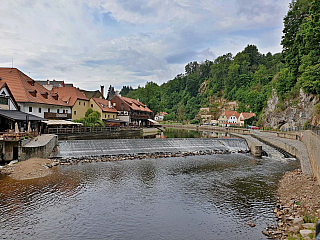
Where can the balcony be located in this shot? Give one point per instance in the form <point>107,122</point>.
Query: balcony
<point>49,115</point>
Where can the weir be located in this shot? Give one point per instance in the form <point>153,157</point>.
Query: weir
<point>112,147</point>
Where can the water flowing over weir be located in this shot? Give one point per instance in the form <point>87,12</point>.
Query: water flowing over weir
<point>111,147</point>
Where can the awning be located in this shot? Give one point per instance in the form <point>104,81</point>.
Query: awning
<point>113,120</point>
<point>153,121</point>
<point>61,122</point>
<point>16,115</point>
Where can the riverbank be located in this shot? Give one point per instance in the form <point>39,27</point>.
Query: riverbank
<point>298,207</point>
<point>28,169</point>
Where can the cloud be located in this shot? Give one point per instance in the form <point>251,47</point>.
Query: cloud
<point>117,42</point>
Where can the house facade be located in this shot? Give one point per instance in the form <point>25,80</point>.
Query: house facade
<point>72,96</point>
<point>32,97</point>
<point>160,116</point>
<point>7,101</point>
<point>132,111</point>
<point>228,118</point>
<point>104,107</point>
<point>245,116</point>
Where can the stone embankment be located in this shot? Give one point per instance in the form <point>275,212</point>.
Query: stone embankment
<point>121,157</point>
<point>297,208</point>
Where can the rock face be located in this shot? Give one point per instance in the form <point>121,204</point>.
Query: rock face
<point>289,114</point>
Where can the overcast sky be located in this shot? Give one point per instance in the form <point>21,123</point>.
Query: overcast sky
<point>129,42</point>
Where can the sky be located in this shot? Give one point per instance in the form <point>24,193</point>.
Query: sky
<point>130,42</point>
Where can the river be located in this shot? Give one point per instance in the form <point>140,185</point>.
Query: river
<point>195,197</point>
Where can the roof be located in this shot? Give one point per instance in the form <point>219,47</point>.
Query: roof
<point>19,116</point>
<point>135,104</point>
<point>25,89</point>
<point>4,85</point>
<point>104,105</point>
<point>161,114</point>
<point>230,113</point>
<point>114,120</point>
<point>247,115</point>
<point>92,94</point>
<point>69,94</point>
<point>54,83</point>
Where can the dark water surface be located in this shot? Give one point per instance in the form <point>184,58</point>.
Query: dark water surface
<point>198,197</point>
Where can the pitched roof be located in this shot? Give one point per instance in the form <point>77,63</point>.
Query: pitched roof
<point>135,104</point>
<point>104,105</point>
<point>247,115</point>
<point>231,113</point>
<point>25,89</point>
<point>4,85</point>
<point>17,115</point>
<point>161,114</point>
<point>69,94</point>
<point>92,94</point>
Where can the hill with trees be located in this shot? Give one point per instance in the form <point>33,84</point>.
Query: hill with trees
<point>248,77</point>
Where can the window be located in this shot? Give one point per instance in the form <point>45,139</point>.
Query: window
<point>75,112</point>
<point>48,110</point>
<point>30,109</point>
<point>108,116</point>
<point>58,110</point>
<point>105,116</point>
<point>79,103</point>
<point>67,111</point>
<point>39,110</point>
<point>4,101</point>
<point>92,105</point>
<point>84,103</point>
<point>64,111</point>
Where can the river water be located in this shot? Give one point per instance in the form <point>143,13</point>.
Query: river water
<point>195,197</point>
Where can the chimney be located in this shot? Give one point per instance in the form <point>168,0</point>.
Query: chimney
<point>102,90</point>
<point>109,104</point>
<point>138,99</point>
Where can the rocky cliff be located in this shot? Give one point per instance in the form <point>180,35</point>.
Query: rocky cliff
<point>289,114</point>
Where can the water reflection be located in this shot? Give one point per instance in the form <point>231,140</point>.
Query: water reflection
<point>199,197</point>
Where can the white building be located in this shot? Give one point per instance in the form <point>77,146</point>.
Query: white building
<point>32,97</point>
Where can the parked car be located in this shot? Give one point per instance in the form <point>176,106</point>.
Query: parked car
<point>254,127</point>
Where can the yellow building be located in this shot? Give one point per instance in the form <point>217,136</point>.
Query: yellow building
<point>74,98</point>
<point>104,107</point>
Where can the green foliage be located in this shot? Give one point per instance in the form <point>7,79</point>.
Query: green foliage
<point>316,110</point>
<point>310,218</point>
<point>195,121</point>
<point>91,119</point>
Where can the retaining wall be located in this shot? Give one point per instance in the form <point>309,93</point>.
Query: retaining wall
<point>312,142</point>
<point>39,151</point>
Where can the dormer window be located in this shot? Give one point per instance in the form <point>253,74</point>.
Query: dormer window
<point>3,93</point>
<point>33,93</point>
<point>55,96</point>
<point>45,95</point>
<point>31,82</point>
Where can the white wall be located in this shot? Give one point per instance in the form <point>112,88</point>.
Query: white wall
<point>24,107</point>
<point>11,105</point>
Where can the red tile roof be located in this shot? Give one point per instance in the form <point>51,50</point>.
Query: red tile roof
<point>69,94</point>
<point>104,105</point>
<point>25,89</point>
<point>135,105</point>
<point>231,113</point>
<point>247,115</point>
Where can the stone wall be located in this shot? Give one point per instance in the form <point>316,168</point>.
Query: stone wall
<point>312,142</point>
<point>40,151</point>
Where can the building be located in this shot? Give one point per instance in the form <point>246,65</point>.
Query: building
<point>228,118</point>
<point>160,116</point>
<point>75,99</point>
<point>132,111</point>
<point>244,117</point>
<point>7,101</point>
<point>104,107</point>
<point>32,97</point>
<point>54,83</point>
<point>94,94</point>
